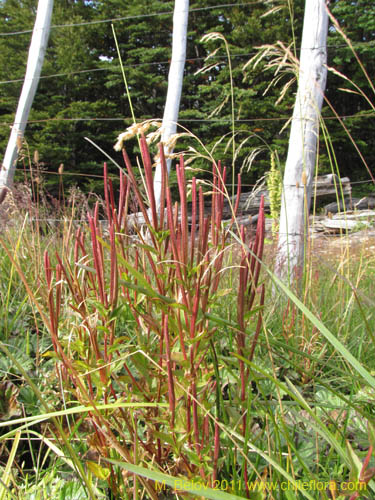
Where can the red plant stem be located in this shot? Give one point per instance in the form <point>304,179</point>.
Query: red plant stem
<point>156,271</point>
<point>149,181</point>
<point>97,261</point>
<point>195,417</point>
<point>220,201</point>
<point>195,310</point>
<point>79,245</point>
<point>135,189</point>
<point>164,184</point>
<point>136,265</point>
<point>218,267</point>
<point>259,248</point>
<point>203,243</point>
<point>242,284</point>
<point>172,226</point>
<point>113,205</point>
<point>181,336</point>
<point>100,254</point>
<point>122,198</point>
<point>201,224</point>
<point>243,380</point>
<point>114,269</point>
<point>206,282</point>
<point>106,197</point>
<point>237,203</point>
<point>81,307</point>
<point>171,394</point>
<point>188,418</point>
<point>47,269</point>
<point>365,463</point>
<point>161,350</point>
<point>215,172</point>
<point>184,212</point>
<point>193,219</point>
<point>58,293</point>
<point>76,246</point>
<point>105,353</point>
<point>205,431</point>
<point>51,308</point>
<point>72,285</point>
<point>259,324</point>
<point>216,452</point>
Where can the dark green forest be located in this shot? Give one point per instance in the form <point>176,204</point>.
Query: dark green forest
<point>82,93</point>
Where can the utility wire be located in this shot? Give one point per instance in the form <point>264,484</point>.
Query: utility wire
<point>77,174</point>
<point>152,63</point>
<point>187,120</point>
<point>139,16</point>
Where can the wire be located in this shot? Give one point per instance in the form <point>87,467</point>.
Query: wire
<point>55,75</point>
<point>140,16</point>
<point>157,63</point>
<point>42,172</point>
<point>77,174</point>
<point>184,120</point>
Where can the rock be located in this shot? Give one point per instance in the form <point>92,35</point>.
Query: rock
<point>364,203</point>
<point>333,207</point>
<point>350,204</point>
<point>338,225</point>
<point>358,216</point>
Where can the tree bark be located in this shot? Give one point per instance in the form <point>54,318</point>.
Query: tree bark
<point>35,59</point>
<point>175,80</point>
<point>301,159</point>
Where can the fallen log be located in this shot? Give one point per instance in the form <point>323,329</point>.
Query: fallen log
<point>350,204</point>
<point>325,186</point>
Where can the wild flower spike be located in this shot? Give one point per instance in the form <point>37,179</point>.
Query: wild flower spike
<point>135,129</point>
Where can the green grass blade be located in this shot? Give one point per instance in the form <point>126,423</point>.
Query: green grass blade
<point>317,323</point>
<point>5,480</point>
<point>78,409</point>
<point>293,393</point>
<point>188,485</point>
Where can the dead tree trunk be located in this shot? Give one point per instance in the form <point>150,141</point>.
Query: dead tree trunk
<point>301,159</point>
<point>35,59</point>
<point>175,79</point>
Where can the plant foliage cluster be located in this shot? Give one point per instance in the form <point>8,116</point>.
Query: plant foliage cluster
<point>87,91</point>
<point>149,360</point>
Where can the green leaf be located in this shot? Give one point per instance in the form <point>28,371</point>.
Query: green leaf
<point>149,292</point>
<point>355,463</point>
<point>371,434</point>
<point>73,491</point>
<point>80,409</point>
<point>7,474</point>
<point>98,471</point>
<point>197,487</point>
<point>136,274</point>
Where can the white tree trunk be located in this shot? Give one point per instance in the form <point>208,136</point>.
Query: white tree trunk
<point>35,59</point>
<point>175,79</point>
<point>301,159</point>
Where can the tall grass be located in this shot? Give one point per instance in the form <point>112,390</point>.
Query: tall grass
<point>172,366</point>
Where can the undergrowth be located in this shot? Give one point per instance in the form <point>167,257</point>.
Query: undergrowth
<point>144,357</point>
